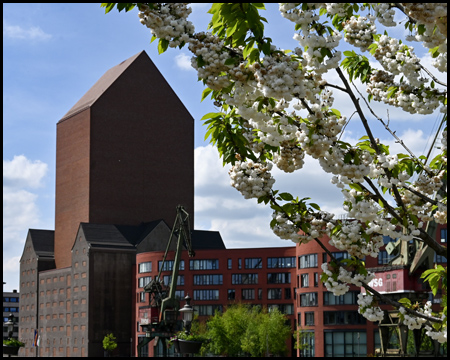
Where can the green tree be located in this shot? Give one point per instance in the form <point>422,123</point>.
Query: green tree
<point>244,329</point>
<point>109,342</point>
<point>276,107</point>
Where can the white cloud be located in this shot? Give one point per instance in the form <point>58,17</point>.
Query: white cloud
<point>11,273</point>
<point>20,211</point>
<point>183,61</point>
<point>31,33</point>
<point>245,223</point>
<point>21,172</point>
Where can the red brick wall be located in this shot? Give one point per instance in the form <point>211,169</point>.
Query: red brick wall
<point>72,183</point>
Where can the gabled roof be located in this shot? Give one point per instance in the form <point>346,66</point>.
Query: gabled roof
<point>101,86</point>
<point>203,240</point>
<point>43,242</point>
<point>105,236</point>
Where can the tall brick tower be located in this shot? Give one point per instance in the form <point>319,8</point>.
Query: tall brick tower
<point>124,154</point>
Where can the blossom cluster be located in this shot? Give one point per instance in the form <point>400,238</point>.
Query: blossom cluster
<point>290,157</point>
<point>209,52</point>
<point>441,335</point>
<point>168,21</point>
<point>381,87</point>
<point>359,31</point>
<point>289,229</point>
<point>414,322</point>
<point>384,14</point>
<point>368,309</point>
<point>280,76</point>
<point>398,58</point>
<point>338,285</point>
<point>426,185</point>
<point>252,179</point>
<point>350,239</point>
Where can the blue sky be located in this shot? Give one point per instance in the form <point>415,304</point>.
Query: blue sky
<point>53,54</point>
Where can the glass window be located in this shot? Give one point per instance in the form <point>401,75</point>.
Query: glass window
<point>260,294</point>
<point>305,280</point>
<point>279,278</point>
<point>208,279</point>
<point>168,265</point>
<point>281,262</point>
<point>206,294</point>
<point>307,261</point>
<point>309,318</point>
<point>308,343</point>
<point>253,263</point>
<point>231,294</point>
<point>145,267</point>
<point>273,294</point>
<point>345,343</point>
<point>230,264</point>
<point>316,279</point>
<point>388,239</point>
<point>206,264</point>
<point>239,263</point>
<point>248,294</point>
<point>207,310</point>
<point>237,279</point>
<point>168,278</point>
<point>349,298</point>
<point>443,235</point>
<point>343,318</point>
<point>439,259</point>
<point>287,293</point>
<point>144,281</point>
<point>308,299</point>
<point>384,257</point>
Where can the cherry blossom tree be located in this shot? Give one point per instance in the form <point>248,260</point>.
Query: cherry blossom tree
<point>276,107</point>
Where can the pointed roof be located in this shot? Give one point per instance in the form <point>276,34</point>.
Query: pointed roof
<point>43,242</point>
<point>101,86</point>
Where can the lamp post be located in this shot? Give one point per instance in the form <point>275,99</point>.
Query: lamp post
<point>188,313</point>
<point>10,325</point>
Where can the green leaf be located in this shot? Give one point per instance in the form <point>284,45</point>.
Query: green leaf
<point>356,187</point>
<point>248,49</point>
<point>163,45</point>
<point>286,196</point>
<point>315,206</point>
<point>336,112</point>
<point>259,6</point>
<point>212,115</point>
<point>205,93</point>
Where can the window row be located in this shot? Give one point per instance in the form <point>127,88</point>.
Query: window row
<point>349,343</point>
<point>10,299</point>
<point>236,279</point>
<point>305,261</point>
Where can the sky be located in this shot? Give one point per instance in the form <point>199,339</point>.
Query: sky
<point>54,53</point>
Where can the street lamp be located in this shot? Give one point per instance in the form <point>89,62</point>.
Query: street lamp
<point>188,313</point>
<point>10,325</point>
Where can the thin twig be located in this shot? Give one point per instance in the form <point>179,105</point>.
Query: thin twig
<point>359,110</point>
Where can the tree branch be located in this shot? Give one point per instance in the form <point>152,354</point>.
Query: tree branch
<point>336,87</point>
<point>381,296</point>
<point>432,76</point>
<point>359,110</point>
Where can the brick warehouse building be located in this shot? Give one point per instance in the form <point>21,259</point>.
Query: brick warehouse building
<point>284,277</point>
<point>115,203</point>
<point>112,150</point>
